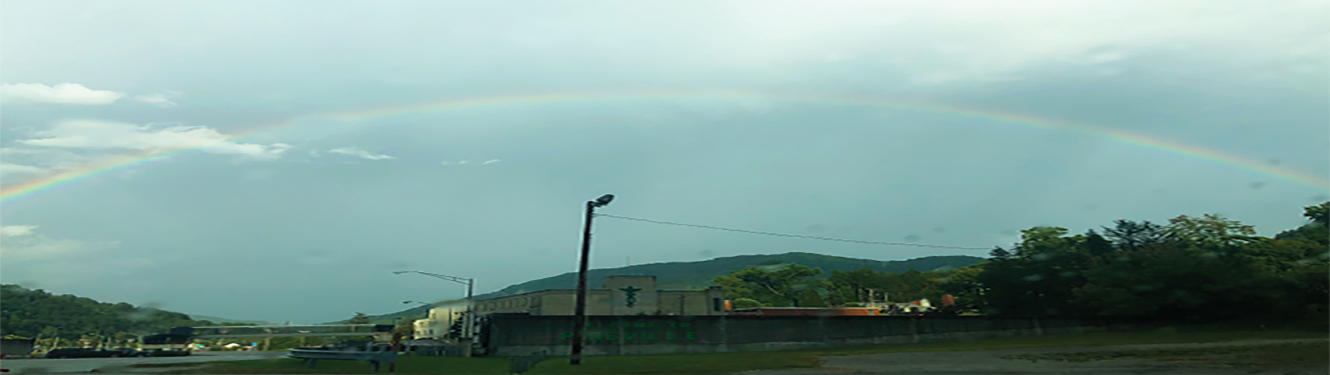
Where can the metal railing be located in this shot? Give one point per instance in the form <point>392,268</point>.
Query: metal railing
<point>375,358</point>
<point>287,331</point>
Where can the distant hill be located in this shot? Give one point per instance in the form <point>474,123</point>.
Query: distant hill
<point>696,275</point>
<point>27,313</point>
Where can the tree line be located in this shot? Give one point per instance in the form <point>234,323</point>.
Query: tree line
<point>31,313</point>
<point>1192,268</point>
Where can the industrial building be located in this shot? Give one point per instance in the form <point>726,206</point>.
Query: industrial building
<point>440,319</point>
<point>619,295</point>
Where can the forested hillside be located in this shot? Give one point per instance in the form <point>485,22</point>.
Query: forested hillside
<point>29,313</point>
<point>694,275</point>
<point>1192,269</point>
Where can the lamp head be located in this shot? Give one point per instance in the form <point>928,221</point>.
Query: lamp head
<point>604,200</point>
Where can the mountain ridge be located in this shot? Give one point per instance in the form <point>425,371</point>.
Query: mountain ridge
<point>698,274</point>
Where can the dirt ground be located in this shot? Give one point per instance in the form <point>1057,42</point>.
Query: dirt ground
<point>1009,361</point>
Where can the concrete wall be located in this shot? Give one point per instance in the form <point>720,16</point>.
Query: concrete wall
<point>602,302</point>
<point>709,302</point>
<point>17,347</point>
<point>511,335</point>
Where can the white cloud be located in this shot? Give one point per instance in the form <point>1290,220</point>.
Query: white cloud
<point>64,93</point>
<point>160,100</point>
<point>102,135</point>
<point>315,153</point>
<point>8,169</point>
<point>491,161</point>
<point>16,230</point>
<point>354,151</point>
<point>462,162</point>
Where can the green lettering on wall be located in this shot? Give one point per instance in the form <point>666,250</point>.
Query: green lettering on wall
<point>611,336</point>
<point>693,336</point>
<point>670,336</point>
<point>566,335</point>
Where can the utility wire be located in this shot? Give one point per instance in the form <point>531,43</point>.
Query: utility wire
<point>792,235</point>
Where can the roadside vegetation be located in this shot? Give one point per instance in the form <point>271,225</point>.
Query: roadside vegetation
<point>1190,270</point>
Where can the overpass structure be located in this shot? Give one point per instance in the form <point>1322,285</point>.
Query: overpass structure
<point>285,331</point>
<point>181,338</point>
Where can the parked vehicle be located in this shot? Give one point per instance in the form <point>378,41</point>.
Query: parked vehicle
<point>168,353</point>
<point>126,352</point>
<point>70,353</point>
<point>94,353</point>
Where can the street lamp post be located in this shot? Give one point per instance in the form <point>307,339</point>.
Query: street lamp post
<point>580,319</point>
<point>470,287</point>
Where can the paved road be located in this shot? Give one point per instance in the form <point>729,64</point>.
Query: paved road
<point>33,366</point>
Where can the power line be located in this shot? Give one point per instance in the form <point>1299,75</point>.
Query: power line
<point>792,235</point>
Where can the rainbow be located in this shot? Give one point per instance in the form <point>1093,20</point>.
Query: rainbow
<point>69,176</point>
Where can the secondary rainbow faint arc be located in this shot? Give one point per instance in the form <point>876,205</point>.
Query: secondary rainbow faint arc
<point>83,172</point>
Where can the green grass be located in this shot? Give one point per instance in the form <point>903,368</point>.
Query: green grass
<point>1258,355</point>
<point>701,363</point>
<point>1167,335</point>
<point>1311,353</point>
<point>746,361</point>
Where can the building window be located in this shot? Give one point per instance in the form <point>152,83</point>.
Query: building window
<point>717,304</point>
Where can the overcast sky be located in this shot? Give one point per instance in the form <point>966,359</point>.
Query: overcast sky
<point>305,222</point>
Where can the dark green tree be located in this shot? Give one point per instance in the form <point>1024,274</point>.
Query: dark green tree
<point>811,298</point>
<point>745,303</point>
<point>771,285</point>
<point>1130,235</point>
<point>1318,214</point>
